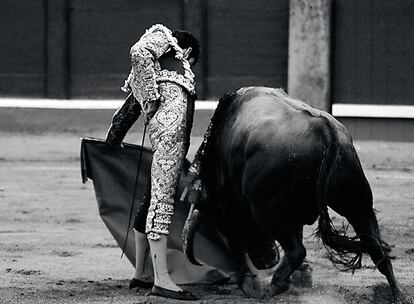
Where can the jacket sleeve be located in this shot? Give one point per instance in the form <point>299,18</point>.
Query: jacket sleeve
<point>142,80</point>
<point>123,120</point>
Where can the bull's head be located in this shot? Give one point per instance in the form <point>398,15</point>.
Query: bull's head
<point>253,281</point>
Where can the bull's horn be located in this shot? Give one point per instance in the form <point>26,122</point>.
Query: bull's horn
<point>189,230</point>
<point>250,264</point>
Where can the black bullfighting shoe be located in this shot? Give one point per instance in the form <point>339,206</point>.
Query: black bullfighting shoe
<point>183,295</point>
<point>134,283</point>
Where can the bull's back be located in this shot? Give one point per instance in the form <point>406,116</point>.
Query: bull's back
<point>272,127</point>
<point>274,150</point>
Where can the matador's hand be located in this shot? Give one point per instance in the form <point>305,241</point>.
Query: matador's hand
<point>151,107</point>
<point>194,192</point>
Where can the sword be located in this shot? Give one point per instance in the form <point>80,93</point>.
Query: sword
<point>135,188</point>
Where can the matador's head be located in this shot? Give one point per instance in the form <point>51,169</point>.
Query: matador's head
<point>189,44</point>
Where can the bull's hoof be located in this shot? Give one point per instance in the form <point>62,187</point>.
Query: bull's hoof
<point>254,282</point>
<point>256,288</point>
<point>279,287</point>
<point>302,277</point>
<point>402,298</point>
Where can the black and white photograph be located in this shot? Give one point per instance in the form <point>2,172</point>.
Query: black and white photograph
<point>207,151</point>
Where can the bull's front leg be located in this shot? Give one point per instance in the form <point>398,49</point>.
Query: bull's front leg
<point>255,282</point>
<point>294,256</point>
<point>259,261</point>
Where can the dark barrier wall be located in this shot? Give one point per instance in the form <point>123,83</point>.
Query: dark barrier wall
<point>247,44</point>
<point>373,52</point>
<point>22,47</point>
<point>102,33</point>
<point>80,48</point>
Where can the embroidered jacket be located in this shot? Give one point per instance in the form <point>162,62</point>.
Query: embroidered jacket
<point>146,70</point>
<point>145,73</point>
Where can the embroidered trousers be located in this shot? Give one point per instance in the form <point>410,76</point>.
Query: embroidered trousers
<point>169,139</point>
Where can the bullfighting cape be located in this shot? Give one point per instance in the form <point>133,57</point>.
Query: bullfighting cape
<point>113,172</point>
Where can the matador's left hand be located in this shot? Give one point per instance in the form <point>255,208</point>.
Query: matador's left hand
<point>151,107</point>
<point>194,194</point>
<point>193,190</point>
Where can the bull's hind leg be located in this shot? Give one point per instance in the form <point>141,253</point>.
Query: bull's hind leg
<point>294,254</point>
<point>366,227</point>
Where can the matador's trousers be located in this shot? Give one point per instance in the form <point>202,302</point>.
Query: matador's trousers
<point>168,133</point>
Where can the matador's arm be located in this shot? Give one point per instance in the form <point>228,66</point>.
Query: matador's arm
<point>141,82</point>
<point>123,120</point>
<point>156,41</point>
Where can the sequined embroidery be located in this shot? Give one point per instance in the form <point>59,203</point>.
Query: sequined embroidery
<point>187,83</point>
<point>167,134</point>
<point>146,72</point>
<point>168,128</point>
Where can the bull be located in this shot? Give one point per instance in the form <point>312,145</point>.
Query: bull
<point>272,165</point>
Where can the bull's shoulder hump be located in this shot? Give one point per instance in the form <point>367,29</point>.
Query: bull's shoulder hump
<point>313,112</point>
<point>272,106</point>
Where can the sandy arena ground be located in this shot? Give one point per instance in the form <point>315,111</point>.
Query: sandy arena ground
<point>55,249</point>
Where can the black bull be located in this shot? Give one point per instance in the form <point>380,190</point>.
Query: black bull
<point>273,165</point>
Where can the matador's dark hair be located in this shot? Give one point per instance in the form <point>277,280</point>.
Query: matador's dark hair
<point>185,40</point>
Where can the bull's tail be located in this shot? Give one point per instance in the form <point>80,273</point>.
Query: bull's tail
<point>343,250</point>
